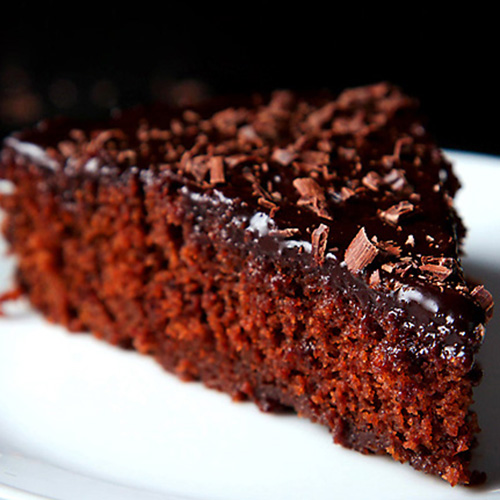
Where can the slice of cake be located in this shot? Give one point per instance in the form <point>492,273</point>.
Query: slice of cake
<point>300,253</point>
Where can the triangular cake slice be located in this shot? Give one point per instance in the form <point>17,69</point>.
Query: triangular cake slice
<point>301,253</point>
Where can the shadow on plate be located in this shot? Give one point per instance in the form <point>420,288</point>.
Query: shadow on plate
<point>487,395</point>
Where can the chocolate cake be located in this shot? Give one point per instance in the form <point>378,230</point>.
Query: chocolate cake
<point>299,252</point>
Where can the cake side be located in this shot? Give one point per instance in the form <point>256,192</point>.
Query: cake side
<point>301,254</point>
<point>305,336</point>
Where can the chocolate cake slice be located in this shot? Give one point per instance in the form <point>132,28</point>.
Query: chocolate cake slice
<point>299,252</point>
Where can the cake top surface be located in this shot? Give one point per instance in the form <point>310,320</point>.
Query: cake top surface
<point>354,180</point>
<point>361,161</point>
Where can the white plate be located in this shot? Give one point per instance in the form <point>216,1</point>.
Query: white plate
<point>81,420</point>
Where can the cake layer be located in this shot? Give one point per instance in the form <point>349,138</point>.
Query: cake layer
<point>302,253</point>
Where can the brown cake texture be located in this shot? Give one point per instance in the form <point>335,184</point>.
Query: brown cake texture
<point>302,253</point>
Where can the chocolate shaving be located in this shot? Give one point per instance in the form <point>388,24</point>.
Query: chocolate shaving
<point>67,148</point>
<point>372,180</point>
<point>302,142</point>
<point>346,125</point>
<point>271,122</point>
<point>354,96</point>
<point>108,135</point>
<point>321,116</point>
<point>390,247</point>
<point>441,261</point>
<point>392,214</point>
<point>191,116</point>
<point>258,190</point>
<point>228,120</point>
<point>439,267</point>
<point>360,252</point>
<point>328,176</point>
<point>247,134</point>
<point>437,271</point>
<point>402,267</point>
<point>396,180</point>
<point>235,160</point>
<point>159,135</point>
<point>171,155</point>
<point>264,202</point>
<point>346,153</point>
<point>311,169</point>
<point>176,126</point>
<point>250,177</point>
<point>319,239</point>
<point>388,161</point>
<point>375,278</point>
<point>388,267</point>
<point>276,196</point>
<point>129,155</point>
<point>78,135</point>
<point>398,146</point>
<point>315,158</point>
<point>311,196</point>
<point>325,146</point>
<point>308,188</point>
<point>281,100</point>
<point>410,240</point>
<point>344,194</point>
<point>283,156</point>
<point>286,233</point>
<point>216,165</point>
<point>485,300</point>
<point>197,166</point>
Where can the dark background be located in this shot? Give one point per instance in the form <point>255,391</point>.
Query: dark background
<point>83,59</point>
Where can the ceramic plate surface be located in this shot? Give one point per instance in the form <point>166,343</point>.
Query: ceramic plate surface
<point>82,420</point>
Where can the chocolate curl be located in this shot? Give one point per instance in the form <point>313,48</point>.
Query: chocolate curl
<point>312,196</point>
<point>485,300</point>
<point>216,165</point>
<point>392,214</point>
<point>360,252</point>
<point>319,239</point>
